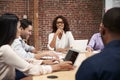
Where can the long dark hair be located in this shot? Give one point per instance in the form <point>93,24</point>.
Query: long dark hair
<point>8,25</point>
<point>66,25</point>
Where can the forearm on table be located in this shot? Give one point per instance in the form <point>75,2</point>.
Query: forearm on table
<point>38,56</point>
<point>89,49</point>
<point>34,51</point>
<point>53,42</point>
<point>62,49</point>
<point>62,66</point>
<point>55,68</point>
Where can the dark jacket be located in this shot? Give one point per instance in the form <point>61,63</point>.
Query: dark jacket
<point>102,66</point>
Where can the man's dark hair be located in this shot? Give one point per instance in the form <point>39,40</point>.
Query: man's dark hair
<point>111,20</point>
<point>25,23</point>
<point>8,25</point>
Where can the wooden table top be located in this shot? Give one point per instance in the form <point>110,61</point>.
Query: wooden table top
<point>62,75</point>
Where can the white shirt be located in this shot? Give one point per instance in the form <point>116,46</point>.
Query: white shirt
<point>66,40</point>
<point>9,60</point>
<point>22,49</point>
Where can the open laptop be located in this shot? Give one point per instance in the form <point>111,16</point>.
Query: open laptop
<point>71,55</point>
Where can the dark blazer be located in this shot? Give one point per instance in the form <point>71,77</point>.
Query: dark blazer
<point>102,66</point>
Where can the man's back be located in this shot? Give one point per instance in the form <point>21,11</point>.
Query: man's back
<point>103,66</point>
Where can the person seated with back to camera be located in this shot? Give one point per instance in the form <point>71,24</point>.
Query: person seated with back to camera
<point>95,43</point>
<point>106,65</point>
<point>9,60</point>
<point>61,38</point>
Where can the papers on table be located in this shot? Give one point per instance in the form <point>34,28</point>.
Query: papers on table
<point>50,57</point>
<point>98,51</point>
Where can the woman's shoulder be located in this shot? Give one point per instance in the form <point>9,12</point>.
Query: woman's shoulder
<point>68,32</point>
<point>51,34</point>
<point>5,47</point>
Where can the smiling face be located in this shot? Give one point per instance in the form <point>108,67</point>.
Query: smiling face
<point>27,32</point>
<point>60,23</point>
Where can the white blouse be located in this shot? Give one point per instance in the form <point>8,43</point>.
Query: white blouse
<point>66,40</point>
<point>9,60</point>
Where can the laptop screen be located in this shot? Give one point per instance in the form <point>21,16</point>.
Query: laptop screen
<point>71,56</point>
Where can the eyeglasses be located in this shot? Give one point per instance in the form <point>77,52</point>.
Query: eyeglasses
<point>60,22</point>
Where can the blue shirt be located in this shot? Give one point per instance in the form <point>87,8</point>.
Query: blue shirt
<point>22,49</point>
<point>102,66</point>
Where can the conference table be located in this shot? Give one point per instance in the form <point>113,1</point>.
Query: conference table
<point>63,75</point>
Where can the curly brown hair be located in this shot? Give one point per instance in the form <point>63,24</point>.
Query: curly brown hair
<point>66,25</point>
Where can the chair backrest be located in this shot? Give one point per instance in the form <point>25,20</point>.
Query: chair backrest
<point>80,45</point>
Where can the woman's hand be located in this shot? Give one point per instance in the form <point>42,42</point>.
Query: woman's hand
<point>66,65</point>
<point>63,50</point>
<point>59,31</point>
<point>89,50</point>
<point>50,62</point>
